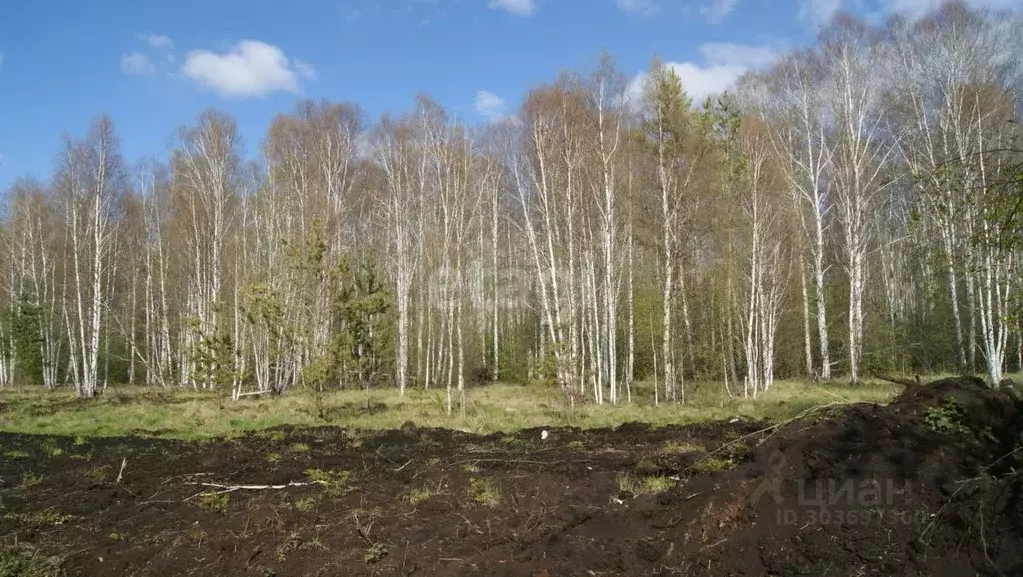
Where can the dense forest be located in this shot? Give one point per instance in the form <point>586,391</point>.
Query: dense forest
<point>854,210</point>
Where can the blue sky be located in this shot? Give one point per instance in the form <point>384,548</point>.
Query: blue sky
<point>154,65</point>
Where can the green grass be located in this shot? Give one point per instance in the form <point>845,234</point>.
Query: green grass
<point>335,483</point>
<point>28,480</point>
<point>51,449</point>
<point>712,465</point>
<point>186,414</point>
<point>306,505</point>
<point>681,447</point>
<point>643,484</point>
<point>418,496</point>
<point>43,518</point>
<point>100,473</point>
<point>214,502</point>
<point>21,560</point>
<point>485,492</point>
<point>117,537</point>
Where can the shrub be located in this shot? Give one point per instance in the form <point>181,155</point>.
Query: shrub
<point>949,418</point>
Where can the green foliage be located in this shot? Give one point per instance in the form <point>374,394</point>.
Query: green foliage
<point>547,368</point>
<point>211,355</point>
<point>949,418</point>
<point>514,352</point>
<point>668,117</point>
<point>363,317</point>
<point>263,307</point>
<point>375,553</point>
<point>25,334</point>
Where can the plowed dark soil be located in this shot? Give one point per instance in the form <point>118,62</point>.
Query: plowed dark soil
<point>920,487</point>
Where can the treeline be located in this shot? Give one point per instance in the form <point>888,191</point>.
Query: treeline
<point>853,210</point>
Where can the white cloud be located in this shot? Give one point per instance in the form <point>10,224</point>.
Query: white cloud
<point>137,64</point>
<point>637,6</point>
<point>718,10</point>
<point>251,68</point>
<point>305,70</point>
<point>818,12</point>
<point>490,106</point>
<point>722,64</point>
<point>744,55</point>
<point>155,40</point>
<point>517,7</point>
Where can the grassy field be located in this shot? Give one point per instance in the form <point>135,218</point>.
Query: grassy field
<point>494,408</point>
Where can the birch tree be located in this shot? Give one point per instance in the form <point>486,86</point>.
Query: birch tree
<point>206,172</point>
<point>403,163</point>
<point>607,97</point>
<point>762,210</point>
<point>791,104</point>
<point>674,138</point>
<point>90,178</point>
<point>861,152</point>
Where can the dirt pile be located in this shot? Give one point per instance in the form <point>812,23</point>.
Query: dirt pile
<point>925,486</point>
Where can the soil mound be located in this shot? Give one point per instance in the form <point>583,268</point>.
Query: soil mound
<point>922,487</point>
<point>925,486</point>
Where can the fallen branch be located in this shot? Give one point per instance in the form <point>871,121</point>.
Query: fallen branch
<point>232,488</point>
<point>771,429</point>
<point>714,545</point>
<point>520,461</point>
<point>899,381</point>
<point>363,532</point>
<point>124,463</point>
<point>258,487</point>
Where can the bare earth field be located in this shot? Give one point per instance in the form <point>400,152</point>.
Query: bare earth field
<point>925,486</point>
